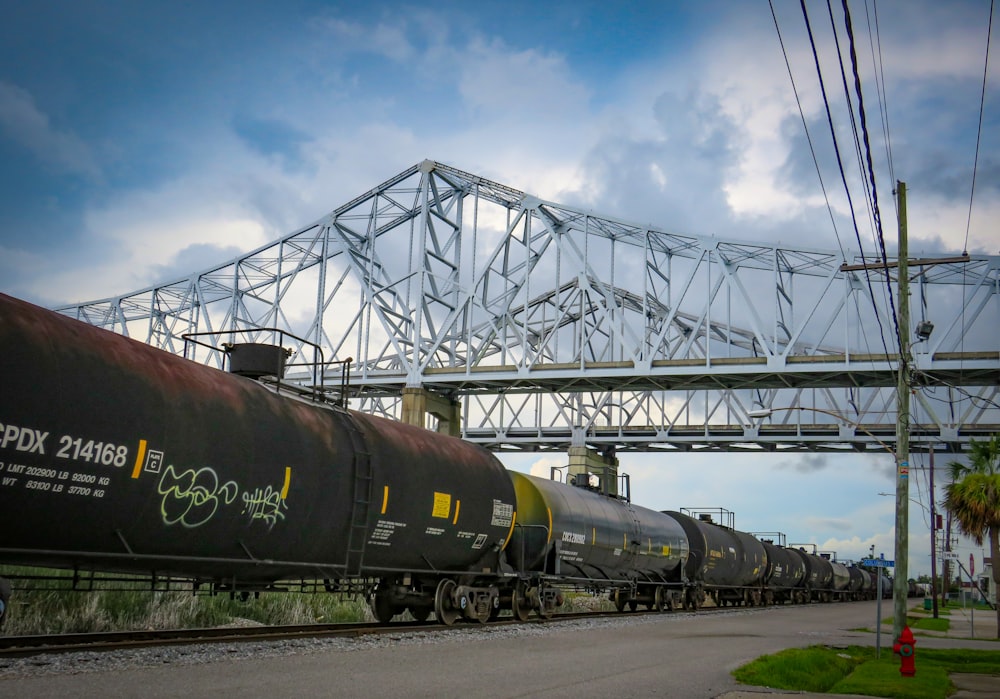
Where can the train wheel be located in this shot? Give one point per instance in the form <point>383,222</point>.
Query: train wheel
<point>445,608</point>
<point>519,603</point>
<point>664,600</point>
<point>5,593</point>
<point>420,614</point>
<point>382,606</point>
<point>495,609</point>
<point>619,599</point>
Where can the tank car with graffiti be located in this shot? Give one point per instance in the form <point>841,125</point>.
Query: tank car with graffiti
<point>117,456</point>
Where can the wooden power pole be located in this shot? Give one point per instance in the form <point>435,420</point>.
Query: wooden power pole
<point>901,587</point>
<point>900,584</point>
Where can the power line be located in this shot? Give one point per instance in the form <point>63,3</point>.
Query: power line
<point>840,162</point>
<point>878,70</point>
<point>805,127</point>
<point>871,174</point>
<point>815,159</point>
<point>979,134</point>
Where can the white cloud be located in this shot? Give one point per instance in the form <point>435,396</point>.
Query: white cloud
<point>25,124</point>
<point>498,83</point>
<point>383,39</point>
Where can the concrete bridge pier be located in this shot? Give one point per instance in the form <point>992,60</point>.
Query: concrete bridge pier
<point>418,402</point>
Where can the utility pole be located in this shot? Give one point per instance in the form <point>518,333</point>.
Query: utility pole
<point>934,585</point>
<point>946,574</point>
<point>900,586</point>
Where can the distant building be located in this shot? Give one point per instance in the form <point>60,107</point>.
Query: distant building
<point>986,581</point>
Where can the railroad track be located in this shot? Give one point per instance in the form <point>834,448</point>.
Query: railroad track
<point>21,646</point>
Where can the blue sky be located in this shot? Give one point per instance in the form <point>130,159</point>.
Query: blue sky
<point>141,141</point>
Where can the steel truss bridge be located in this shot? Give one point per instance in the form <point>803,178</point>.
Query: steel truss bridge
<point>551,327</point>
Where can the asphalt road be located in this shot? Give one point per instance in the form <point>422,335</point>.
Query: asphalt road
<point>669,655</point>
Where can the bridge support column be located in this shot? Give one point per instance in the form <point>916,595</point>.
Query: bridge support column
<point>605,466</point>
<point>417,402</point>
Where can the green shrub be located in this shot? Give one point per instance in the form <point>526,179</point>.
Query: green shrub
<point>50,606</point>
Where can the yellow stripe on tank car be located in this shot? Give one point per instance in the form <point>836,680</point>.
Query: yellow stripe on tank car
<point>288,481</point>
<point>458,506</point>
<point>593,536</point>
<point>510,532</point>
<point>385,498</point>
<point>549,540</point>
<point>139,456</point>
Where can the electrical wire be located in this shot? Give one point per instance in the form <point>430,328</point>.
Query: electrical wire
<point>979,134</point>
<point>879,71</point>
<point>863,153</point>
<point>903,359</point>
<point>819,173</point>
<point>805,127</point>
<point>840,162</point>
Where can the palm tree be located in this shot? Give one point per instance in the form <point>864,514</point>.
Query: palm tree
<point>973,498</point>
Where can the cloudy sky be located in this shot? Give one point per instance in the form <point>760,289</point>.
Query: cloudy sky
<point>141,141</point>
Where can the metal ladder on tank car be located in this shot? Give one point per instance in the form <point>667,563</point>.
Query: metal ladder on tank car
<point>357,534</point>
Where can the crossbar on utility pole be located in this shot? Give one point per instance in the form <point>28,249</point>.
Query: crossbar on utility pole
<point>900,586</point>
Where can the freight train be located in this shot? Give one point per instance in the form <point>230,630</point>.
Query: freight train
<point>117,456</point>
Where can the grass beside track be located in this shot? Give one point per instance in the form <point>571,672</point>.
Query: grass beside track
<point>52,607</point>
<point>855,670</point>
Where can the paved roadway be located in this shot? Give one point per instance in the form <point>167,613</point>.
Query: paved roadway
<point>669,655</point>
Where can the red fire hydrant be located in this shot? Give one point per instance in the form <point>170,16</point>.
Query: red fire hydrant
<point>903,647</point>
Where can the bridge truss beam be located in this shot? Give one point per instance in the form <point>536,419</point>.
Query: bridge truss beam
<point>557,327</point>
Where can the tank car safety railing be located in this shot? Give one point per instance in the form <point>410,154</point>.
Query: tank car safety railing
<point>726,519</point>
<point>603,475</point>
<point>776,538</point>
<point>317,391</point>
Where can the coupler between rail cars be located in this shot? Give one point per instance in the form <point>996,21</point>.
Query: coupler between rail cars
<point>694,597</point>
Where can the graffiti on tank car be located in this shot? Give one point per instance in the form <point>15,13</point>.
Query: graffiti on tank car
<point>264,504</point>
<point>192,497</point>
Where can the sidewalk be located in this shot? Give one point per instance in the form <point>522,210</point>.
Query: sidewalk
<point>963,622</point>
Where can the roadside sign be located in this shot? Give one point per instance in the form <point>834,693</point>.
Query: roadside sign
<point>877,563</point>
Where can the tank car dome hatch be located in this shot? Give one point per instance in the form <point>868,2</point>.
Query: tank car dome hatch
<point>587,480</point>
<point>255,360</point>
